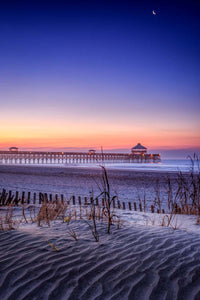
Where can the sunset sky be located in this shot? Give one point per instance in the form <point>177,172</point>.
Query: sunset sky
<point>82,74</point>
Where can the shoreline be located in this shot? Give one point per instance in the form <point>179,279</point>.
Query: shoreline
<point>127,185</point>
<point>78,167</point>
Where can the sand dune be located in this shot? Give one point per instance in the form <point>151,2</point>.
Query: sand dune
<point>132,263</point>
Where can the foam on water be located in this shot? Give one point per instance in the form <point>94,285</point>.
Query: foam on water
<point>166,165</point>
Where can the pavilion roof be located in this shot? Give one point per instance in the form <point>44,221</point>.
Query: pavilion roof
<point>139,147</point>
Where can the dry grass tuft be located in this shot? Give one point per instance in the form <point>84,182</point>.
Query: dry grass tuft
<point>72,233</point>
<point>50,212</point>
<point>7,221</point>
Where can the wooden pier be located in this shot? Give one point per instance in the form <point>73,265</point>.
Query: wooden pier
<point>40,157</point>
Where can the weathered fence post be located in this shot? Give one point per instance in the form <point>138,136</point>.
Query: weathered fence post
<point>135,206</point>
<point>3,196</point>
<point>16,198</point>
<point>23,196</point>
<point>29,196</point>
<point>124,205</point>
<point>152,209</point>
<point>34,198</point>
<point>9,199</point>
<point>9,196</point>
<point>46,197</point>
<point>113,203</point>
<point>50,198</point>
<point>129,205</point>
<point>118,204</point>
<point>40,198</point>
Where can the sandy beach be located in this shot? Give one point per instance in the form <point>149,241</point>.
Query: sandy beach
<point>146,255</point>
<point>134,262</point>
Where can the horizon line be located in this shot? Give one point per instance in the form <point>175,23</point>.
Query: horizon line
<point>49,148</point>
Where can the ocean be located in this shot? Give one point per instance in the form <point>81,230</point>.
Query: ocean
<point>166,165</point>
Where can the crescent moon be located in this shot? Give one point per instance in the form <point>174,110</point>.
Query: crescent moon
<point>153,12</point>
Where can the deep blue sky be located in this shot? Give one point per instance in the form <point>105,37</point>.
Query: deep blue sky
<point>110,69</point>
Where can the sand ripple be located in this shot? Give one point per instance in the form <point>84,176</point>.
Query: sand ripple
<point>132,263</point>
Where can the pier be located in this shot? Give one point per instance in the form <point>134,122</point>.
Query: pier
<point>14,156</point>
<point>25,157</point>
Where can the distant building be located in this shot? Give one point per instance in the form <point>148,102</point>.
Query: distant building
<point>139,149</point>
<point>13,149</point>
<point>91,151</point>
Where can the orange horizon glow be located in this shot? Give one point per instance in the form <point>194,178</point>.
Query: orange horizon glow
<point>83,134</point>
<point>107,141</point>
<point>117,127</point>
<point>84,131</point>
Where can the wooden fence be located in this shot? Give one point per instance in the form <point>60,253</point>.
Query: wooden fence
<point>19,198</point>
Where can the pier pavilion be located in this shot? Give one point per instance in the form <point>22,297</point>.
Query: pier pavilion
<point>139,149</point>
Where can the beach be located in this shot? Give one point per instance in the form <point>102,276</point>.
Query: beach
<point>145,256</point>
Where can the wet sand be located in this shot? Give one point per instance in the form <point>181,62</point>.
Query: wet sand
<point>127,184</point>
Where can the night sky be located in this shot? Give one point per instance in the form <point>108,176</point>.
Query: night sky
<point>98,73</point>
